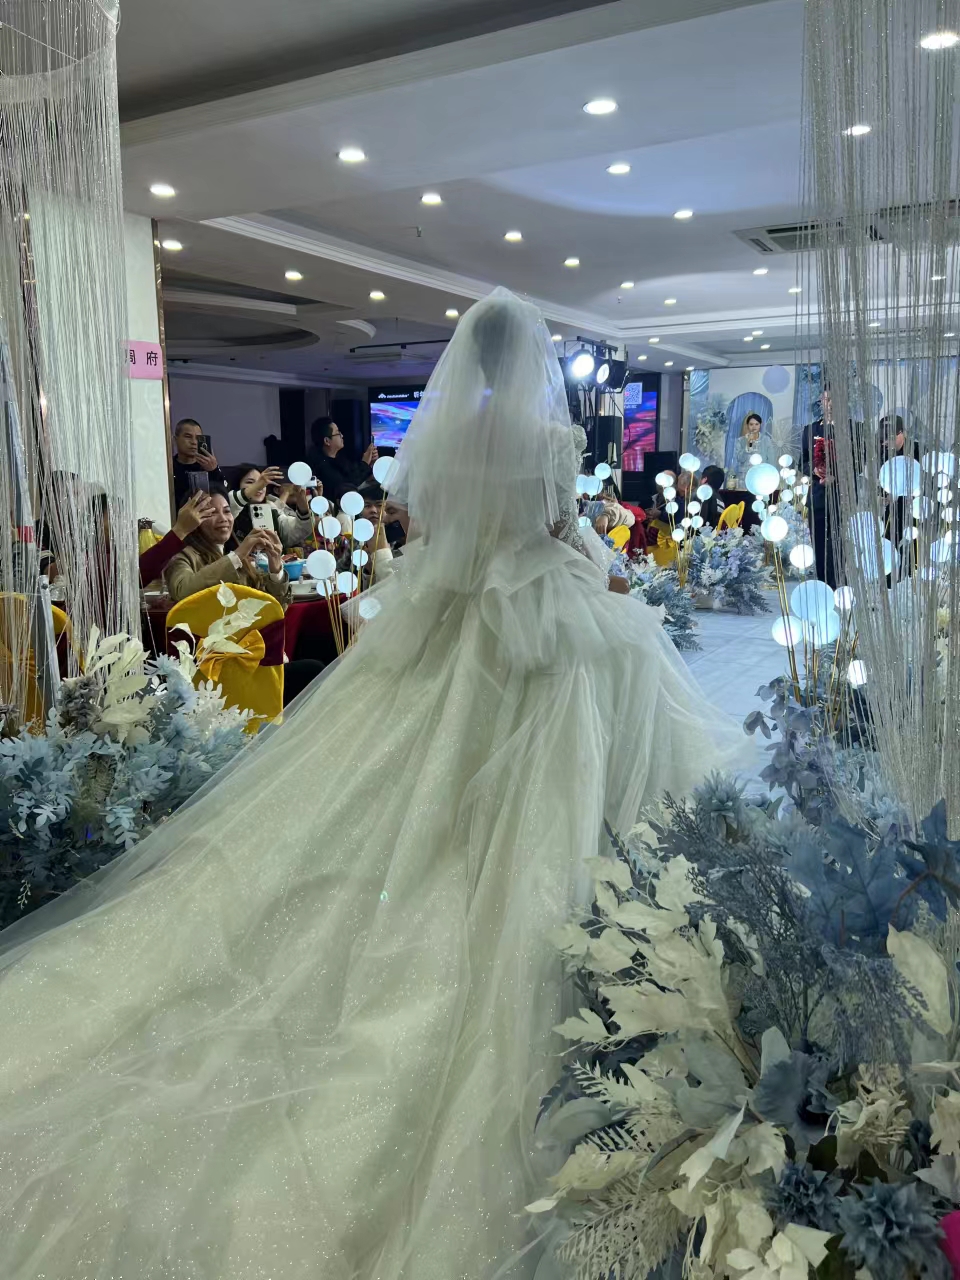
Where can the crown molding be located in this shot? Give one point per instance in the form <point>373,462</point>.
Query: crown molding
<point>228,302</point>
<point>238,373</point>
<point>584,26</point>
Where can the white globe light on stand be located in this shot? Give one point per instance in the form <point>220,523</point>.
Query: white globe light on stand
<point>685,522</point>
<point>786,495</point>
<point>677,535</point>
<point>704,493</point>
<point>383,471</point>
<point>672,508</point>
<point>843,599</point>
<point>774,529</point>
<point>351,503</point>
<point>669,493</point>
<point>594,485</point>
<point>935,463</point>
<point>694,508</point>
<point>299,473</point>
<point>811,600</point>
<point>697,522</point>
<point>788,632</point>
<point>363,530</point>
<point>759,506</point>
<point>330,528</point>
<point>857,673</point>
<point>802,556</point>
<point>825,628</point>
<point>689,462</point>
<point>755,459</point>
<point>321,565</point>
<point>359,559</point>
<point>346,583</point>
<point>319,505</point>
<point>603,470</point>
<point>762,480</point>
<point>663,478</point>
<point>786,460</point>
<point>582,482</point>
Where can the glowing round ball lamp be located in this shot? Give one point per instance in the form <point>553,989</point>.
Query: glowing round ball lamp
<point>762,480</point>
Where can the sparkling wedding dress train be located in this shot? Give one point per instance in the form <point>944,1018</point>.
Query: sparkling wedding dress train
<point>300,1032</point>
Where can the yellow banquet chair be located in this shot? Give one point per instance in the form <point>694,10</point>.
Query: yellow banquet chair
<point>665,551</point>
<point>619,536</point>
<point>731,517</point>
<point>14,642</point>
<point>252,680</point>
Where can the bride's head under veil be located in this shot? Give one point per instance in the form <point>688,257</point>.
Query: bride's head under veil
<point>489,457</point>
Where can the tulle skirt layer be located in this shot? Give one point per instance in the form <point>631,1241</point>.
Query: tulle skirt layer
<point>301,1032</point>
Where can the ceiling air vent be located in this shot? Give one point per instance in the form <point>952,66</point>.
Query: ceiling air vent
<point>799,237</point>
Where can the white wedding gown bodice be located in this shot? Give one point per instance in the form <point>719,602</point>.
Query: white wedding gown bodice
<point>301,1032</point>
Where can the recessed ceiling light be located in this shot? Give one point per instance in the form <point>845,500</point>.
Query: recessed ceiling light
<point>764,346</point>
<point>683,214</point>
<point>668,364</point>
<point>748,339</point>
<point>600,107</point>
<point>431,197</point>
<point>513,236</point>
<point>761,271</point>
<point>940,40</point>
<point>377,295</point>
<point>857,130</point>
<point>557,337</point>
<point>351,155</point>
<point>618,169</point>
<point>756,332</point>
<point>654,340</point>
<point>571,262</point>
<point>669,302</point>
<point>938,277</point>
<point>293,275</point>
<point>173,245</point>
<point>641,357</point>
<point>451,313</point>
<point>626,284</point>
<point>163,190</point>
<point>690,368</point>
<point>874,324</point>
<point>795,289</point>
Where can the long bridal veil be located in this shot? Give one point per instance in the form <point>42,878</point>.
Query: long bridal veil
<point>301,1030</point>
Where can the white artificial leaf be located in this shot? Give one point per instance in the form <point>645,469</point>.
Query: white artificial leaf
<point>610,951</point>
<point>571,940</point>
<point>760,1147</point>
<point>675,889</point>
<point>183,626</point>
<point>921,968</point>
<point>610,871</point>
<point>542,1206</point>
<point>945,1124</point>
<point>606,899</point>
<point>773,1049</point>
<point>811,1243</point>
<point>226,596</point>
<point>222,645</point>
<point>588,1028</point>
<point>652,921</point>
<point>944,1175</point>
<point>698,1165</point>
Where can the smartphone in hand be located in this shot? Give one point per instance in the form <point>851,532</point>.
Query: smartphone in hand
<point>261,516</point>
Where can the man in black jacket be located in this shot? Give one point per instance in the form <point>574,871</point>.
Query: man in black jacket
<point>337,473</point>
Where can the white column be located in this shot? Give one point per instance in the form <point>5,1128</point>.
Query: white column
<point>151,446</point>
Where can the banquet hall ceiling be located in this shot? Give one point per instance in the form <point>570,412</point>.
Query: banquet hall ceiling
<point>489,117</point>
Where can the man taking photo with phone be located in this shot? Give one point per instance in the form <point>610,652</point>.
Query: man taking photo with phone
<point>194,466</point>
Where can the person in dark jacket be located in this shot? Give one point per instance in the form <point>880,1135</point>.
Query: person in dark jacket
<point>335,471</point>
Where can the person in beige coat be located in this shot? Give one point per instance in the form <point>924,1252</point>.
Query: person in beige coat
<point>204,561</point>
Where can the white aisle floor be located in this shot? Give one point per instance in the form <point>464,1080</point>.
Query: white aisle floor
<point>736,657</point>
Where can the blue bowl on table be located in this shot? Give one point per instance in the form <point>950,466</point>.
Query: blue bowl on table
<point>294,570</point>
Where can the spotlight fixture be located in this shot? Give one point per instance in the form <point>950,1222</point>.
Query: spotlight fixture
<point>654,341</point>
<point>571,262</point>
<point>163,190</point>
<point>795,289</point>
<point>940,40</point>
<point>669,302</point>
<point>603,373</point>
<point>683,214</point>
<point>611,374</point>
<point>174,246</point>
<point>431,197</point>
<point>626,284</point>
<point>377,295</point>
<point>452,313</point>
<point>761,271</point>
<point>857,130</point>
<point>581,364</point>
<point>618,169</point>
<point>293,275</point>
<point>600,107</point>
<point>351,155</point>
<point>513,236</point>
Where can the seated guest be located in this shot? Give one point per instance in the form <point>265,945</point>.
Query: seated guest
<point>712,509</point>
<point>194,466</point>
<point>336,472</point>
<point>205,559</point>
<point>614,515</point>
<point>191,515</point>
<point>293,527</point>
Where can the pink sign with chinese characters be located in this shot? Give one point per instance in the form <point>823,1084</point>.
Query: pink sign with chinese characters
<point>144,359</point>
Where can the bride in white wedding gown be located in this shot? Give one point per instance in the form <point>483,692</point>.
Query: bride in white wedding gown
<point>300,1032</point>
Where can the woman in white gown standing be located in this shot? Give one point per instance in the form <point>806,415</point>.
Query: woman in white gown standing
<point>301,1031</point>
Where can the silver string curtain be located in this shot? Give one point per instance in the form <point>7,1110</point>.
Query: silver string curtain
<point>880,178</point>
<point>65,456</point>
